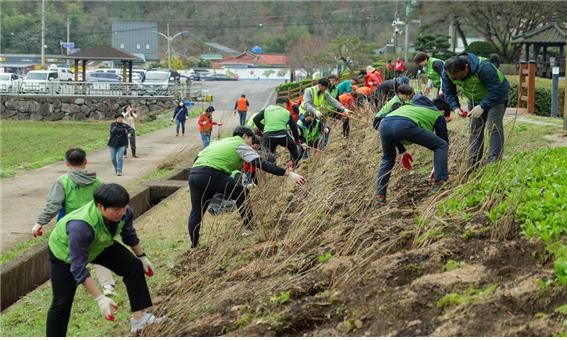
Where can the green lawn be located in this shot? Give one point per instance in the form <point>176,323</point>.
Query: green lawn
<point>29,144</point>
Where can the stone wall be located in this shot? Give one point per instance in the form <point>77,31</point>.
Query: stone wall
<point>77,108</point>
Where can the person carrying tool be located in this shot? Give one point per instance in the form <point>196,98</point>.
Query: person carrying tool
<point>414,123</point>
<point>87,235</point>
<point>206,124</point>
<point>277,119</point>
<point>211,174</point>
<point>70,192</point>
<point>317,98</point>
<point>433,67</point>
<point>487,91</point>
<point>242,106</point>
<point>403,96</point>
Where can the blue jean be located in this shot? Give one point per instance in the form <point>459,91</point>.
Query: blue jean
<point>182,124</point>
<point>206,139</point>
<point>117,157</point>
<point>393,130</point>
<point>242,115</point>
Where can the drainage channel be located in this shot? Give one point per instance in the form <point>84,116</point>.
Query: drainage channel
<point>30,270</point>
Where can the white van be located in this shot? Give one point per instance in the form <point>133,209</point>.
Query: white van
<point>41,82</point>
<point>63,73</point>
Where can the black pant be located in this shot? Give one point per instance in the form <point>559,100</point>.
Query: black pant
<point>132,140</point>
<point>204,183</point>
<point>346,122</point>
<point>281,138</point>
<point>116,258</point>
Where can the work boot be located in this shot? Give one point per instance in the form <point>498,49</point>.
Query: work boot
<point>147,319</point>
<point>380,200</point>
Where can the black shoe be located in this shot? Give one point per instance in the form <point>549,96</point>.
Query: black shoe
<point>135,156</point>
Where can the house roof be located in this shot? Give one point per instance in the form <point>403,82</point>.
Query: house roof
<point>250,58</point>
<point>102,53</point>
<point>552,33</point>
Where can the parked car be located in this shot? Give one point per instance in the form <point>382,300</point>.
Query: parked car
<point>158,82</point>
<point>41,82</point>
<point>214,77</point>
<point>63,73</point>
<point>111,80</point>
<point>9,82</point>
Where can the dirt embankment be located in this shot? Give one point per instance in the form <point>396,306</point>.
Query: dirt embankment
<point>326,262</point>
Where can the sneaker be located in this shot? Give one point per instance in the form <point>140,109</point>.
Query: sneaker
<point>380,200</point>
<point>119,173</point>
<point>147,319</point>
<point>108,290</point>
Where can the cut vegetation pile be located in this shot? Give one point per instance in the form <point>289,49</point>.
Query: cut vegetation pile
<point>325,261</point>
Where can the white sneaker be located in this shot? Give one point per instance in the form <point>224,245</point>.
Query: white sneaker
<point>108,290</point>
<point>147,319</point>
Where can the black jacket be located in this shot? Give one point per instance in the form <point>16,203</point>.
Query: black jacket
<point>119,134</point>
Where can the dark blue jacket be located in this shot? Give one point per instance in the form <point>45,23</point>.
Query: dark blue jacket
<point>497,92</point>
<point>180,113</point>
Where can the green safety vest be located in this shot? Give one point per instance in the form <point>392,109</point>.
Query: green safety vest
<point>250,123</point>
<point>424,117</point>
<point>59,242</point>
<point>221,155</point>
<point>471,85</point>
<point>388,106</point>
<point>318,100</point>
<point>334,92</point>
<point>431,73</point>
<point>313,134</point>
<point>276,118</point>
<point>75,195</point>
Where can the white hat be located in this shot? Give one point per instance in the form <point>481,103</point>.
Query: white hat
<point>370,68</point>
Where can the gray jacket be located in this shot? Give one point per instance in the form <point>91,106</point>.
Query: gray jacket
<point>56,197</point>
<point>308,100</point>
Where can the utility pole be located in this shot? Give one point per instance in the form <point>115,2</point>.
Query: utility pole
<point>42,33</point>
<point>169,40</point>
<point>68,32</point>
<point>406,40</point>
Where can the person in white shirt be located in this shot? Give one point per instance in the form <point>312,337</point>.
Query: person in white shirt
<point>130,117</point>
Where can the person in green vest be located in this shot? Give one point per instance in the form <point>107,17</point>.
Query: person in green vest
<point>317,98</point>
<point>250,123</point>
<point>211,174</point>
<point>414,123</point>
<point>404,94</point>
<point>487,90</point>
<point>333,86</point>
<point>433,67</point>
<point>277,119</point>
<point>312,131</point>
<point>87,235</point>
<point>70,192</point>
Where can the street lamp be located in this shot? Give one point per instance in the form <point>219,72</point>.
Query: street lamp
<point>169,40</point>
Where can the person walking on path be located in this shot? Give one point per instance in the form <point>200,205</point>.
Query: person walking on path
<point>87,235</point>
<point>130,117</point>
<point>433,67</point>
<point>118,141</point>
<point>206,124</point>
<point>414,124</point>
<point>211,174</point>
<point>276,120</point>
<point>487,90</point>
<point>242,106</point>
<point>180,115</point>
<point>70,192</point>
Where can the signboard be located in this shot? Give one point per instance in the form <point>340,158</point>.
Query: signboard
<point>68,45</point>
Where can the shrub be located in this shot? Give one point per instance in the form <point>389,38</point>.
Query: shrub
<point>542,96</point>
<point>481,48</point>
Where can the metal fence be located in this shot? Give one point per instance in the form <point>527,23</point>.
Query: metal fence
<point>97,89</point>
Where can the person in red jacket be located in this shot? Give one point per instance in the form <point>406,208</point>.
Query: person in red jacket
<point>372,78</point>
<point>399,67</point>
<point>293,108</point>
<point>206,124</point>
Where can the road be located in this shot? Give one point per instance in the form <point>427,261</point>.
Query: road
<point>23,196</point>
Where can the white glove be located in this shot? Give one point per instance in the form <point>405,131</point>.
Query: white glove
<point>37,230</point>
<point>148,268</point>
<point>347,111</point>
<point>105,304</point>
<point>298,179</point>
<point>326,130</point>
<point>318,113</point>
<point>300,123</point>
<point>477,111</point>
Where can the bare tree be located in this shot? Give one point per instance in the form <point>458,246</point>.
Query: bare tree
<point>309,54</point>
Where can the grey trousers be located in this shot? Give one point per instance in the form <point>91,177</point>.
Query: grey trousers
<point>493,118</point>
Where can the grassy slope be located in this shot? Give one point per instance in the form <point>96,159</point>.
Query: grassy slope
<point>30,144</point>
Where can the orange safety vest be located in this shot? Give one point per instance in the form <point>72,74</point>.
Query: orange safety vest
<point>242,104</point>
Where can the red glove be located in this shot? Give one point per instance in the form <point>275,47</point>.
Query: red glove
<point>406,160</point>
<point>462,113</point>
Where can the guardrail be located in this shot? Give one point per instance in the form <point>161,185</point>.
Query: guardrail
<point>72,88</point>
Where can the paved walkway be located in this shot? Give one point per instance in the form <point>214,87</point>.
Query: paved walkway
<point>23,196</point>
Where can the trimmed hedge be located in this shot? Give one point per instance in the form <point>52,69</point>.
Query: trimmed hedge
<point>542,93</point>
